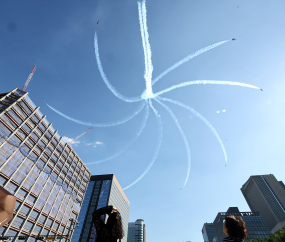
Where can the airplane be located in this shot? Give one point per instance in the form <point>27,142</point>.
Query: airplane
<point>98,22</point>
<point>233,39</point>
<point>261,90</point>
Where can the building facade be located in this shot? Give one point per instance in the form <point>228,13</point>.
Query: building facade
<point>45,174</point>
<point>264,194</point>
<point>137,231</point>
<point>103,190</point>
<point>208,232</point>
<point>254,222</point>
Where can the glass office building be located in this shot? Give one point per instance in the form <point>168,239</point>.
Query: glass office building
<point>208,232</point>
<point>45,174</point>
<point>266,195</point>
<point>137,231</point>
<point>103,190</point>
<point>254,222</point>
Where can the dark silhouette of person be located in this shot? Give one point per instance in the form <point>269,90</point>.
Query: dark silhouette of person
<point>112,231</point>
<point>234,228</point>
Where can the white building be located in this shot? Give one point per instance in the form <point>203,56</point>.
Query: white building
<point>137,231</point>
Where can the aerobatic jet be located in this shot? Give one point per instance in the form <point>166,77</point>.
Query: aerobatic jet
<point>233,39</point>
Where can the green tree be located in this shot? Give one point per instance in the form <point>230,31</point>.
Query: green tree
<point>273,237</point>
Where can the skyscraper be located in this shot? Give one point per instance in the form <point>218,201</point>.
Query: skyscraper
<point>103,190</point>
<point>255,224</point>
<point>208,232</point>
<point>137,231</point>
<point>264,194</point>
<point>45,174</point>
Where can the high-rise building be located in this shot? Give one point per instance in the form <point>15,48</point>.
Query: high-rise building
<point>45,174</point>
<point>254,222</point>
<point>208,232</point>
<point>264,194</point>
<point>102,190</point>
<point>137,231</point>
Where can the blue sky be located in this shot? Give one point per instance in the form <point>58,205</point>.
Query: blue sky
<point>58,36</point>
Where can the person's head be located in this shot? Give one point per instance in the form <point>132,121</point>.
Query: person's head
<point>234,226</point>
<point>115,225</point>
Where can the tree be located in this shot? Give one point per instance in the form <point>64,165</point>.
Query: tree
<point>273,237</point>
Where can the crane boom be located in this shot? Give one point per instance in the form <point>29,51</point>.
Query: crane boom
<point>72,141</point>
<point>29,78</point>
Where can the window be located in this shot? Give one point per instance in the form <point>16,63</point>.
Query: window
<point>34,215</point>
<point>17,222</point>
<point>55,226</point>
<point>21,194</point>
<point>11,187</point>
<point>42,219</point>
<point>28,226</point>
<point>49,222</point>
<point>31,200</point>
<point>17,205</point>
<point>2,180</point>
<point>24,210</point>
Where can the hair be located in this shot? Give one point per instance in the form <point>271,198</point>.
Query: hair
<point>235,226</point>
<point>115,225</point>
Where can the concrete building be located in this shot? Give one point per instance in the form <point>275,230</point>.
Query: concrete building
<point>103,190</point>
<point>208,232</point>
<point>137,231</point>
<point>264,194</point>
<point>45,174</point>
<point>255,224</point>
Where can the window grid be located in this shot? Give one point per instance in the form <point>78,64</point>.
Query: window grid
<point>19,159</point>
<point>31,142</point>
<point>12,135</point>
<point>33,184</point>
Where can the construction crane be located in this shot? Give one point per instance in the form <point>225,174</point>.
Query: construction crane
<point>72,141</point>
<point>29,78</point>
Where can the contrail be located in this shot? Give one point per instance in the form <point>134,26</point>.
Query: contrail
<point>202,118</point>
<point>143,37</point>
<point>124,120</point>
<point>160,130</point>
<point>147,50</point>
<point>183,136</point>
<point>183,84</point>
<point>133,141</point>
<point>187,58</point>
<point>108,84</point>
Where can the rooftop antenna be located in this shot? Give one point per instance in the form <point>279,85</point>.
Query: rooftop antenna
<point>72,141</point>
<point>29,78</point>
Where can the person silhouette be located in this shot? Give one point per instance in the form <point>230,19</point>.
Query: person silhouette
<point>112,231</point>
<point>234,228</point>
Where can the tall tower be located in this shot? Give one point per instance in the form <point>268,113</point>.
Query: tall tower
<point>137,231</point>
<point>47,177</point>
<point>103,190</point>
<point>264,194</point>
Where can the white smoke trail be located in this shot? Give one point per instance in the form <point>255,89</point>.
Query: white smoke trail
<point>183,84</point>
<point>143,37</point>
<point>133,141</point>
<point>183,136</point>
<point>160,130</point>
<point>202,118</point>
<point>146,48</point>
<point>187,58</point>
<point>124,120</point>
<point>112,89</point>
